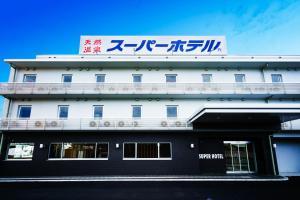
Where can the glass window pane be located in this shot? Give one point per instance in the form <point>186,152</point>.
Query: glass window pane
<point>171,111</point>
<point>63,111</point>
<point>136,111</point>
<point>243,157</point>
<point>137,78</point>
<point>228,157</point>
<point>20,151</point>
<point>67,78</point>
<point>276,78</point>
<point>55,150</point>
<point>73,150</point>
<point>206,78</point>
<point>24,111</point>
<point>239,78</point>
<point>170,78</point>
<point>147,150</point>
<point>129,150</point>
<point>98,111</point>
<point>251,157</point>
<point>164,150</point>
<point>102,150</point>
<point>100,78</point>
<point>29,78</point>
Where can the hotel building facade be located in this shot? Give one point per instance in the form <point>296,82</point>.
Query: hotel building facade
<point>151,106</point>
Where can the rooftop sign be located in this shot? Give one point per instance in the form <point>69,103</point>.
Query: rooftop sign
<point>153,45</point>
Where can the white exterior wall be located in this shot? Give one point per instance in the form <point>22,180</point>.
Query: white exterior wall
<point>122,108</point>
<point>156,76</point>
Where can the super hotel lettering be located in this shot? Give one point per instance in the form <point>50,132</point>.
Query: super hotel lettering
<point>153,45</point>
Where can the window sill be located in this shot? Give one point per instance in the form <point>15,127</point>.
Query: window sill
<point>71,159</point>
<point>147,158</point>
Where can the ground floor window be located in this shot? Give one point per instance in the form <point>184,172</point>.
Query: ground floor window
<point>240,157</point>
<point>145,151</point>
<point>20,151</point>
<point>78,150</point>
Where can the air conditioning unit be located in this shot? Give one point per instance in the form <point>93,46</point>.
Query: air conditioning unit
<point>53,123</point>
<point>106,123</point>
<point>121,123</point>
<point>38,124</point>
<point>93,124</point>
<point>4,123</point>
<point>164,123</point>
<point>178,123</point>
<point>135,123</point>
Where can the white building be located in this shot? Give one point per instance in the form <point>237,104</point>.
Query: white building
<point>151,112</point>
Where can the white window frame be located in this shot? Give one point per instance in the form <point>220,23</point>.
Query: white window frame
<point>58,112</point>
<point>244,78</point>
<point>25,75</point>
<point>72,159</point>
<point>19,111</point>
<point>19,159</point>
<point>132,106</point>
<point>94,106</point>
<point>140,75</point>
<point>96,75</point>
<point>166,75</point>
<point>280,75</point>
<point>62,78</point>
<point>158,151</point>
<point>210,80</point>
<point>176,111</point>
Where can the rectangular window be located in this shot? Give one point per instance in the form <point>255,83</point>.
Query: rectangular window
<point>239,157</point>
<point>136,78</point>
<point>171,78</point>
<point>239,78</point>
<point>20,151</point>
<point>100,78</point>
<point>98,111</point>
<point>136,111</point>
<point>144,151</point>
<point>78,151</point>
<point>276,78</point>
<point>67,78</point>
<point>29,78</point>
<point>63,112</point>
<point>24,112</point>
<point>171,111</point>
<point>206,78</point>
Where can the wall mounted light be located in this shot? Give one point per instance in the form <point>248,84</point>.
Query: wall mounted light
<point>117,145</point>
<point>192,146</point>
<point>41,146</point>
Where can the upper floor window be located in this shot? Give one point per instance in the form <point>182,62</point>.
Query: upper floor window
<point>63,112</point>
<point>98,111</point>
<point>136,78</point>
<point>24,111</point>
<point>240,78</point>
<point>100,78</point>
<point>20,151</point>
<point>171,78</point>
<point>276,78</point>
<point>206,78</point>
<point>136,111</point>
<point>67,78</point>
<point>171,111</point>
<point>29,78</point>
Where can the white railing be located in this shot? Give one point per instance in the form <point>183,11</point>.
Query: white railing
<point>94,124</point>
<point>149,88</point>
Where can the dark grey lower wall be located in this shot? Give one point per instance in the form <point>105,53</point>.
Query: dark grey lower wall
<point>185,160</point>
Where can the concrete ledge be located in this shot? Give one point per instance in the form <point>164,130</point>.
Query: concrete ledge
<point>142,179</point>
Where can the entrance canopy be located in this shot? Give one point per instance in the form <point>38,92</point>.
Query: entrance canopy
<point>249,118</point>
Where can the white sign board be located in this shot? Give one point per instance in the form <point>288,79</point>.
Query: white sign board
<point>153,45</point>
